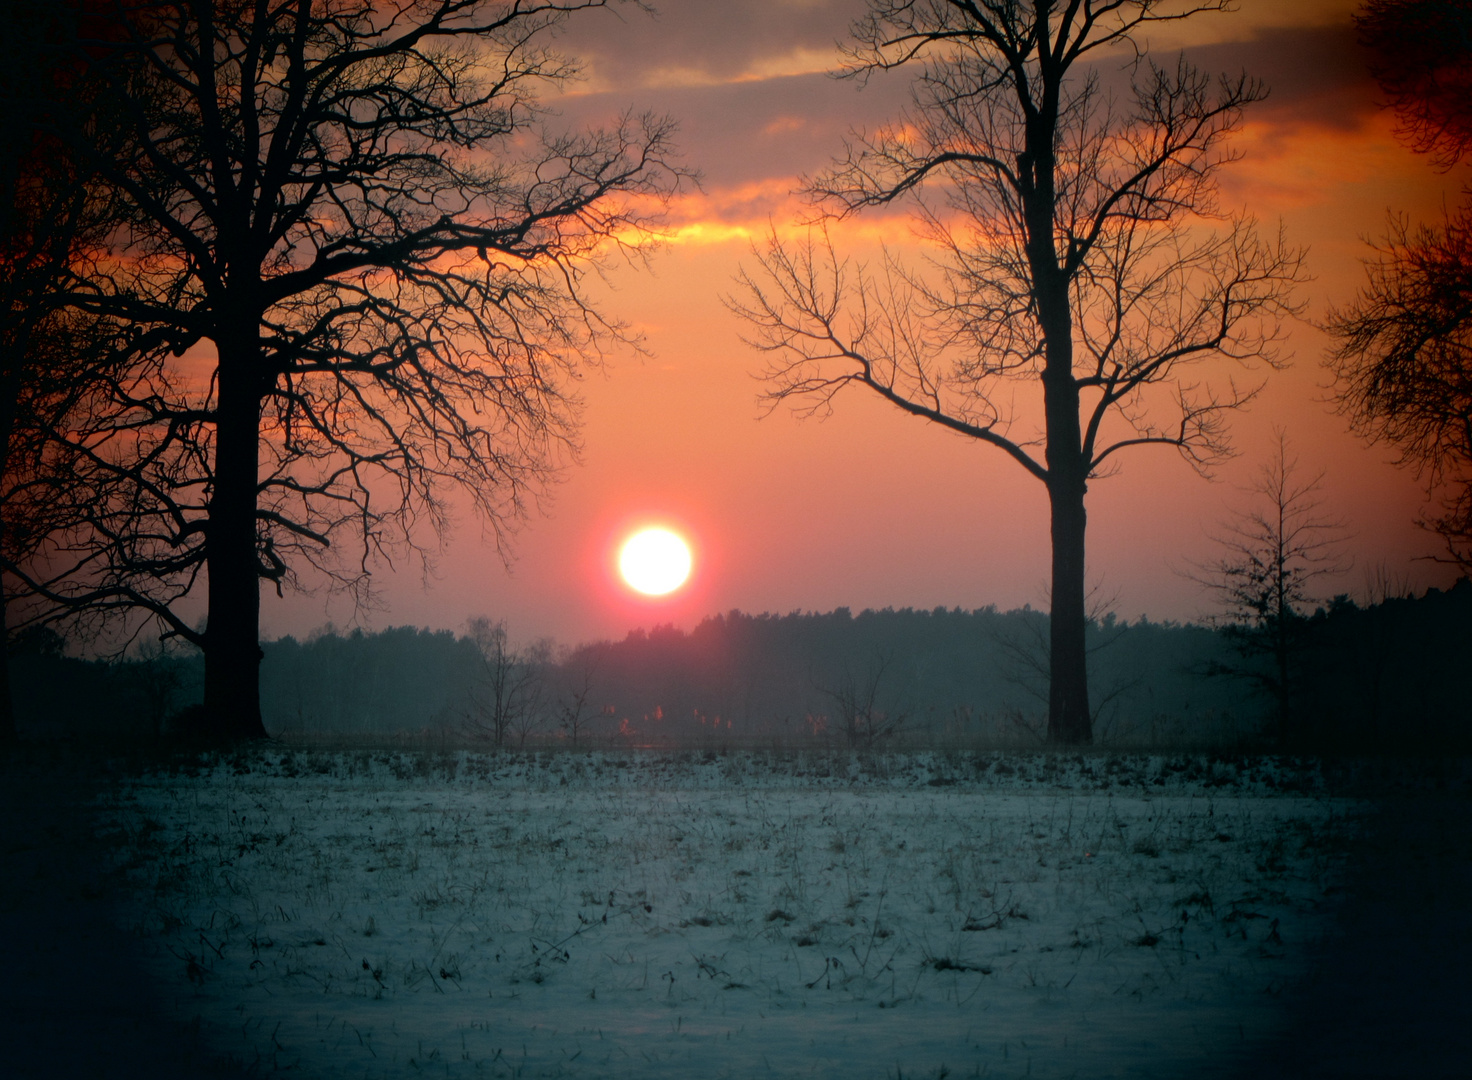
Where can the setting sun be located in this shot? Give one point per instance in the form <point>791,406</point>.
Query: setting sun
<point>654,561</point>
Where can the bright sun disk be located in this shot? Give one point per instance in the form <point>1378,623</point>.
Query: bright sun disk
<point>654,561</point>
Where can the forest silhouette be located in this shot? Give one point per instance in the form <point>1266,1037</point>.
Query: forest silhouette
<point>1388,675</point>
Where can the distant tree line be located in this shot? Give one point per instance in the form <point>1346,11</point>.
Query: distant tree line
<point>893,676</point>
<point>1387,676</point>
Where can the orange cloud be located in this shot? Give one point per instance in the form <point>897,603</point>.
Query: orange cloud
<point>783,124</point>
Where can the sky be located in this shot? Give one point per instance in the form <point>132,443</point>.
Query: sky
<point>871,508</point>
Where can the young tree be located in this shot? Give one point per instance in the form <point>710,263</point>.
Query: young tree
<point>855,697</point>
<point>1271,556</point>
<point>354,283</point>
<point>537,665</point>
<point>510,684</point>
<point>575,713</point>
<point>1403,358</point>
<point>1072,257</point>
<point>1025,645</point>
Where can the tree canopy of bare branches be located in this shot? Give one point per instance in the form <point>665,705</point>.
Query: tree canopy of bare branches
<point>1419,54</point>
<point>1078,254</point>
<point>53,216</point>
<point>352,282</point>
<point>1403,354</point>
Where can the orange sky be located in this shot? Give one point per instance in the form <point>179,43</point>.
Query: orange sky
<point>871,508</point>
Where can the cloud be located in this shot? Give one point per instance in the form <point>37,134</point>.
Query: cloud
<point>702,43</point>
<point>743,132</point>
<point>1316,76</point>
<point>694,43</point>
<point>754,137</point>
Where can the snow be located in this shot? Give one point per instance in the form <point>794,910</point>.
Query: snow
<point>377,914</point>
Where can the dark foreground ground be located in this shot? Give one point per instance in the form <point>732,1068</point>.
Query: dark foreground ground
<point>1390,994</point>
<point>72,1002</point>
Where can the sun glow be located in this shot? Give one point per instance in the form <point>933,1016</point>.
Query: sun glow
<point>654,561</point>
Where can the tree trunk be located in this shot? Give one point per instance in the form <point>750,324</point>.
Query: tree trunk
<point>9,391</point>
<point>232,649</point>
<point>1069,722</point>
<point>1069,719</point>
<point>1284,659</point>
<point>8,733</point>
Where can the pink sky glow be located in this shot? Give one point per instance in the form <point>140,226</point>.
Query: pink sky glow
<point>871,508</point>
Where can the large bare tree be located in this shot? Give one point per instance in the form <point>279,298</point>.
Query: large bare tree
<point>1403,355</point>
<point>1078,253</point>
<point>354,283</point>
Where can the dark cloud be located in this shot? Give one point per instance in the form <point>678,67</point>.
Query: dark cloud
<point>720,39</point>
<point>742,133</point>
<point>746,132</point>
<point>1316,75</point>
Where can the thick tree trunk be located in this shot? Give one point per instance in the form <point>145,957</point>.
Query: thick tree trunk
<point>1069,719</point>
<point>8,733</point>
<point>8,393</point>
<point>232,649</point>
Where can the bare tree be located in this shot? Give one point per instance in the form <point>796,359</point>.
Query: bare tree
<point>1403,363</point>
<point>1403,356</point>
<point>537,663</point>
<point>354,284</point>
<point>1271,556</point>
<point>1419,53</point>
<point>574,712</point>
<point>507,697</point>
<point>856,698</point>
<point>1072,255</point>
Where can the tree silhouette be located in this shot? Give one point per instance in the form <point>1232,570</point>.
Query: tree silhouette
<point>1072,256</point>
<point>1403,356</point>
<point>354,283</point>
<point>1272,554</point>
<point>855,698</point>
<point>573,679</point>
<point>1403,362</point>
<point>1419,53</point>
<point>510,685</point>
<point>53,215</point>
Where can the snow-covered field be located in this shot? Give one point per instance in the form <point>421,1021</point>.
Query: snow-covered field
<point>364,914</point>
